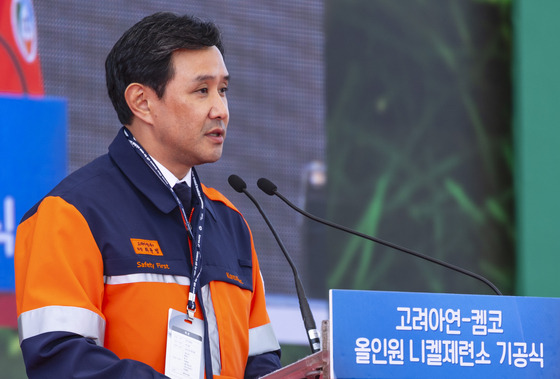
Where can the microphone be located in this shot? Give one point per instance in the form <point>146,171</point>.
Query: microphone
<point>270,189</point>
<point>240,186</point>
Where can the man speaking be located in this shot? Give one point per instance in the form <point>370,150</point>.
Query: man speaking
<point>131,267</point>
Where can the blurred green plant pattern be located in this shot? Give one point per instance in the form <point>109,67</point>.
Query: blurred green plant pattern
<point>419,127</point>
<point>11,360</point>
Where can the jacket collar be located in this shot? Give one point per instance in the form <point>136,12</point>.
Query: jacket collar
<point>143,178</point>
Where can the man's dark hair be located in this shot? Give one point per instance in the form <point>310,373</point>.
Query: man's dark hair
<point>143,54</point>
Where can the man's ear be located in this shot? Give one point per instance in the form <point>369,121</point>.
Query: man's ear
<point>137,97</point>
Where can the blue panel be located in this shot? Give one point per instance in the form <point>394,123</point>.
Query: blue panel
<point>34,160</point>
<point>418,335</point>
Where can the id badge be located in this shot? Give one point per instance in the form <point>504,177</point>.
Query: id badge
<point>184,355</point>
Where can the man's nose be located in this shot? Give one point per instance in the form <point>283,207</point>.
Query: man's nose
<point>220,108</point>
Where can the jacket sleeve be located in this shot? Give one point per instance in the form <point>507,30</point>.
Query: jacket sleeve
<point>262,364</point>
<point>59,294</point>
<point>69,355</point>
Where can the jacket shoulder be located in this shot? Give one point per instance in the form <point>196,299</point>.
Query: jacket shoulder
<point>78,183</point>
<point>215,195</point>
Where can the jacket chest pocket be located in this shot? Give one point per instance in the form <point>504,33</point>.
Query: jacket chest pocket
<point>236,271</point>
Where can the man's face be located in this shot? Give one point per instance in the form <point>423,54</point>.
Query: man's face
<point>190,120</point>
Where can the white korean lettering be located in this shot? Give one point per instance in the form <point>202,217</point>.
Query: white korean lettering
<point>8,227</point>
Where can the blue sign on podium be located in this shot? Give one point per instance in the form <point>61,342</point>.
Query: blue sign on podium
<point>33,156</point>
<point>419,335</point>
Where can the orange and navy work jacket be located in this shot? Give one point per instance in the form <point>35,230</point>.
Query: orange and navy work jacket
<point>101,259</point>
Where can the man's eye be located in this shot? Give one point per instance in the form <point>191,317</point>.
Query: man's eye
<point>203,90</point>
<point>224,90</point>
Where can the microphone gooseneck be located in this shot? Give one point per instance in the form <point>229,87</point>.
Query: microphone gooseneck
<point>271,189</point>
<point>240,186</point>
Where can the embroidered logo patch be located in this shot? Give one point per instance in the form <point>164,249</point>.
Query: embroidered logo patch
<point>146,247</point>
<point>234,277</point>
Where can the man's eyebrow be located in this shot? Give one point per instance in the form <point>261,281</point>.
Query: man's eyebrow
<point>202,78</point>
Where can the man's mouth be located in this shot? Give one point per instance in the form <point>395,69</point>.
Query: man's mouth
<point>217,133</point>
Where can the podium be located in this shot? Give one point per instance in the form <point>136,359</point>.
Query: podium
<point>373,334</point>
<point>315,366</point>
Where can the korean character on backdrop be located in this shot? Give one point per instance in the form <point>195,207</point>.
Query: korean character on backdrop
<point>482,357</point>
<point>405,319</point>
<point>479,319</point>
<point>396,351</point>
<point>433,352</point>
<point>420,319</point>
<point>536,356</point>
<point>453,317</point>
<point>362,350</point>
<point>495,321</point>
<point>378,347</point>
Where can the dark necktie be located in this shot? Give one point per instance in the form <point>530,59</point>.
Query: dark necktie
<point>183,192</point>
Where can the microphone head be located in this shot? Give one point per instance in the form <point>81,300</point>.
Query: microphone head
<point>237,183</point>
<point>267,186</point>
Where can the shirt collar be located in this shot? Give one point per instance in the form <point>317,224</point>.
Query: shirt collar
<point>172,179</point>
